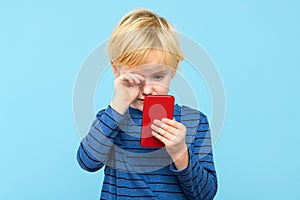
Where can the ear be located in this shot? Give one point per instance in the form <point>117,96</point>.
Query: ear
<point>114,68</point>
<point>174,71</point>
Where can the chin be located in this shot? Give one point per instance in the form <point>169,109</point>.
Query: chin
<point>139,107</point>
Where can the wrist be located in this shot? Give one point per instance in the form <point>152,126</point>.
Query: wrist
<point>181,159</point>
<point>119,106</point>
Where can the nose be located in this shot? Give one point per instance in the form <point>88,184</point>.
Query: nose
<point>147,88</point>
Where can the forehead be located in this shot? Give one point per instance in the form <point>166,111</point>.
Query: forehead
<point>149,68</point>
<point>154,63</point>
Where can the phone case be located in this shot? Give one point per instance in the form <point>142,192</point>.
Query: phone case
<point>155,107</point>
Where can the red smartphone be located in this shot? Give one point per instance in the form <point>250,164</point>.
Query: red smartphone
<point>155,107</point>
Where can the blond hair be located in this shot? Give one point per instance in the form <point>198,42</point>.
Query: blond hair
<point>140,32</point>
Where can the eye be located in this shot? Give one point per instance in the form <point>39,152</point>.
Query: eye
<point>158,77</point>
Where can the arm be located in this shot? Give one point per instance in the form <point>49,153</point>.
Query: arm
<point>199,180</point>
<point>193,166</point>
<point>95,147</point>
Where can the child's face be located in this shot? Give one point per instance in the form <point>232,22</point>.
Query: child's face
<point>157,79</point>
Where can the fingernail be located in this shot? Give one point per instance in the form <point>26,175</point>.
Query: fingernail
<point>164,120</point>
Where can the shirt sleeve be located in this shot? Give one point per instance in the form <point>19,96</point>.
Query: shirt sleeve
<point>199,179</point>
<point>94,149</point>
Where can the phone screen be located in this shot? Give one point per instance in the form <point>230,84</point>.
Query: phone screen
<point>155,107</point>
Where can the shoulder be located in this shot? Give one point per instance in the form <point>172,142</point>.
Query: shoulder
<point>100,113</point>
<point>189,113</point>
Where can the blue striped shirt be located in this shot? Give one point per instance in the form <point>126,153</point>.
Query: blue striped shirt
<point>135,172</point>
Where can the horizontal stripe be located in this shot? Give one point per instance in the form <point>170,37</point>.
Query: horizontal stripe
<point>127,140</point>
<point>82,162</point>
<point>150,157</point>
<point>148,182</point>
<point>201,146</point>
<point>124,195</point>
<point>120,186</point>
<point>108,136</point>
<point>108,126</point>
<point>112,119</point>
<point>98,152</point>
<point>82,147</point>
<point>124,157</point>
<point>98,141</point>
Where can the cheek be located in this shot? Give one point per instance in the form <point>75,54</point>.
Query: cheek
<point>163,86</point>
<point>167,81</point>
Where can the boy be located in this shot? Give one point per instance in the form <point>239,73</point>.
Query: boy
<point>144,54</point>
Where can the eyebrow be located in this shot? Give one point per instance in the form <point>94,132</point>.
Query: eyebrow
<point>155,72</point>
<point>160,71</point>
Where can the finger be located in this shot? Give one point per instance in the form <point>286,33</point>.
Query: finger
<point>161,138</point>
<point>162,132</point>
<point>140,77</point>
<point>172,123</point>
<point>139,80</point>
<point>134,75</point>
<point>166,127</point>
<point>134,79</point>
<point>129,79</point>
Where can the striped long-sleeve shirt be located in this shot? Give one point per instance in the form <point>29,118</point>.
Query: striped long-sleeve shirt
<point>135,172</point>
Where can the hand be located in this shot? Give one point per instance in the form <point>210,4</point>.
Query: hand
<point>126,91</point>
<point>172,134</point>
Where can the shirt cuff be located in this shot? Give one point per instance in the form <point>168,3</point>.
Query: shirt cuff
<point>117,117</point>
<point>182,171</point>
<point>111,117</point>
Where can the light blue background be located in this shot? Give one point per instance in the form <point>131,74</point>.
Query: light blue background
<point>255,45</point>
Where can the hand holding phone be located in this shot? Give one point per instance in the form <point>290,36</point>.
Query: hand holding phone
<point>155,107</point>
